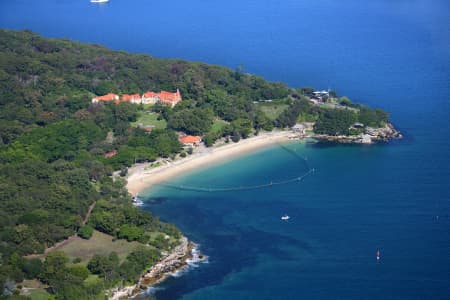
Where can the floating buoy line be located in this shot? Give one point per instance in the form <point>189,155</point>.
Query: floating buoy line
<point>299,178</point>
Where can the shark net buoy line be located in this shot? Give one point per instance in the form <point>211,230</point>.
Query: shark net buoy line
<point>213,189</point>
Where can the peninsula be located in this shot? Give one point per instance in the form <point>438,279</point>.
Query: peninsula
<point>84,127</point>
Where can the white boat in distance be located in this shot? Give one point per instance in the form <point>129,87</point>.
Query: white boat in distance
<point>285,218</point>
<point>99,1</point>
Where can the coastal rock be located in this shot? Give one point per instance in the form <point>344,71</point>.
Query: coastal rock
<point>172,262</point>
<point>123,293</point>
<point>371,135</point>
<point>366,139</point>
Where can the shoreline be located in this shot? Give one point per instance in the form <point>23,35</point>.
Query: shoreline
<point>142,176</point>
<point>140,179</point>
<point>182,257</point>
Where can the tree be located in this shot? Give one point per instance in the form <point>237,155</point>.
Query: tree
<point>192,121</point>
<point>79,271</point>
<point>86,232</point>
<point>335,121</point>
<point>288,118</point>
<point>54,270</point>
<point>373,117</point>
<point>130,233</point>
<point>104,265</point>
<point>345,101</point>
<point>32,267</point>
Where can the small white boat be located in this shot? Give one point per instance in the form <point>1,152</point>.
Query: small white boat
<point>285,218</point>
<point>99,1</point>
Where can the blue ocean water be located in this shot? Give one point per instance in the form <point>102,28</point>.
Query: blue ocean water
<point>394,197</point>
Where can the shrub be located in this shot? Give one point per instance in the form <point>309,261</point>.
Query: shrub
<point>76,260</point>
<point>85,232</point>
<point>79,271</point>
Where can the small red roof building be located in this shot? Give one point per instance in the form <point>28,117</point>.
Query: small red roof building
<point>190,140</point>
<point>110,154</point>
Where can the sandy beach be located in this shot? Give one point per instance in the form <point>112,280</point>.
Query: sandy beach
<point>141,176</point>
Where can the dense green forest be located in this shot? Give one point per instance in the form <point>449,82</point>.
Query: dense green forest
<point>53,142</point>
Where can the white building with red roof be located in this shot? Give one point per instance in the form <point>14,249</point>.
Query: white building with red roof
<point>108,97</point>
<point>134,98</point>
<point>169,98</point>
<point>166,98</point>
<point>190,140</point>
<point>150,97</point>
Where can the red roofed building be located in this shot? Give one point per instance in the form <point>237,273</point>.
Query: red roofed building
<point>168,98</point>
<point>134,98</point>
<point>150,97</point>
<point>110,154</point>
<point>107,97</point>
<point>191,140</point>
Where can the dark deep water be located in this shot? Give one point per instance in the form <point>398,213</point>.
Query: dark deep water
<point>395,197</point>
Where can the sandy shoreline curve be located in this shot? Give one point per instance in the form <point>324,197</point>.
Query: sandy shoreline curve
<point>142,176</point>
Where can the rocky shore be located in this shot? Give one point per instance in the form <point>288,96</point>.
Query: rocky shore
<point>370,136</point>
<point>177,260</point>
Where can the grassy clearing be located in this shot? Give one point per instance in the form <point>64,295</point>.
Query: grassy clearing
<point>149,118</point>
<point>147,106</point>
<point>40,294</point>
<point>273,110</point>
<point>99,243</point>
<point>217,125</point>
<point>303,117</point>
<point>92,279</point>
<point>35,290</point>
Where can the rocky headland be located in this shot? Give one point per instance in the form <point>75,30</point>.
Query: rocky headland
<point>180,258</point>
<point>368,136</point>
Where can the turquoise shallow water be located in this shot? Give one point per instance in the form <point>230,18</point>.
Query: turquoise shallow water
<point>354,204</point>
<point>393,197</point>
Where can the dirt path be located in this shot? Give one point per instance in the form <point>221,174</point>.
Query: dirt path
<point>91,208</point>
<point>70,239</point>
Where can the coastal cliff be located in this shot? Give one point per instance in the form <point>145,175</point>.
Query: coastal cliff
<point>172,262</point>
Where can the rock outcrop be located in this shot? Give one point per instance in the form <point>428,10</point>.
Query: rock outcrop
<point>176,260</point>
<point>371,135</point>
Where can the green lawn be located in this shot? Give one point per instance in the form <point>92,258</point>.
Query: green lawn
<point>272,110</point>
<point>92,279</point>
<point>217,125</point>
<point>40,294</point>
<point>99,243</point>
<point>148,118</point>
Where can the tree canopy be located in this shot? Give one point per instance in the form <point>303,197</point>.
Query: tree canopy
<point>58,150</point>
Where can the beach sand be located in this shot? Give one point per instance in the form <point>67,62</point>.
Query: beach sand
<point>141,177</point>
